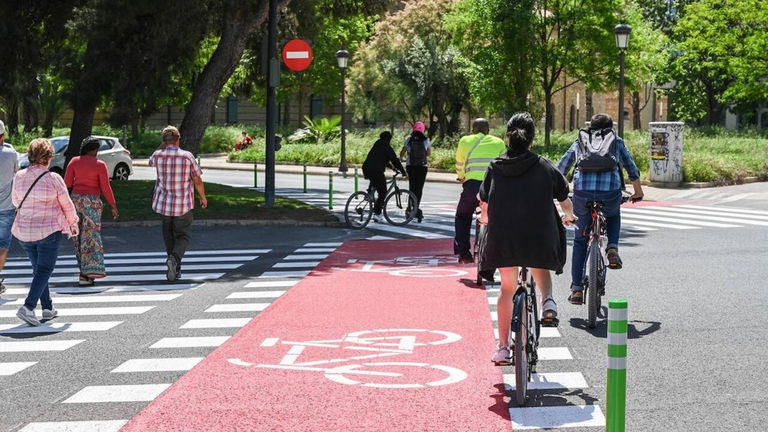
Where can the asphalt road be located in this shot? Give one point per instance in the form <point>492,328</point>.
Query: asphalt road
<point>697,343</point>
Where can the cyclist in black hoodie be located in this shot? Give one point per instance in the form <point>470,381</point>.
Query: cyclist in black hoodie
<point>379,158</point>
<point>524,228</point>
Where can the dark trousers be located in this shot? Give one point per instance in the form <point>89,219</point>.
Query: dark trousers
<point>417,175</point>
<point>612,213</point>
<point>42,254</point>
<point>468,202</point>
<point>379,183</point>
<point>176,234</point>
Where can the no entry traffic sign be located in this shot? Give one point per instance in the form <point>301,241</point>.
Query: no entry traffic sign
<point>297,55</point>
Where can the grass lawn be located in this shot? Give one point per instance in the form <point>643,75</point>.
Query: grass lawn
<point>134,199</point>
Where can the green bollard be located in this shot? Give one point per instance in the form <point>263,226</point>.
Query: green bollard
<point>305,178</point>
<point>356,186</point>
<point>330,190</point>
<point>255,176</point>
<point>616,398</point>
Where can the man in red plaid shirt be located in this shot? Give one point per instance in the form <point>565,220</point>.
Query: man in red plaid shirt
<point>174,198</point>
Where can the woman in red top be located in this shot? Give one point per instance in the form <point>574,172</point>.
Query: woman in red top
<point>87,178</point>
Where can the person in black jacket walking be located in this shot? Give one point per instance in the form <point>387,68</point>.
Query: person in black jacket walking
<point>524,227</point>
<point>379,158</point>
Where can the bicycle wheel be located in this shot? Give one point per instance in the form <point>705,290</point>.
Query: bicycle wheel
<point>593,290</point>
<point>358,211</point>
<point>400,207</point>
<point>521,357</point>
<point>478,239</point>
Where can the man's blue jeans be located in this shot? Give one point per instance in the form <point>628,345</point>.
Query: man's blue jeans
<point>43,254</point>
<point>612,212</point>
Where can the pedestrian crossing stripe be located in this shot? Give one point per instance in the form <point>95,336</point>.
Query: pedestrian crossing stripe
<point>78,426</point>
<point>94,311</point>
<point>58,327</point>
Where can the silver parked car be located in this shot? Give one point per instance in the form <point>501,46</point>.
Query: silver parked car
<point>117,157</point>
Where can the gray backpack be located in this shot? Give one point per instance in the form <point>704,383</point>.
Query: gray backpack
<point>596,150</point>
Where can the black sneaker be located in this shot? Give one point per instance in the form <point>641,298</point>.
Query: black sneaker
<point>172,268</point>
<point>466,258</point>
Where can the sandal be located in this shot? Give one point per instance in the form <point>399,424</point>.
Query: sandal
<point>549,313</point>
<point>576,297</point>
<point>86,280</point>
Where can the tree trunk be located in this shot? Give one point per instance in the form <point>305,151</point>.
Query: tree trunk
<point>547,117</point>
<point>636,111</point>
<point>82,127</point>
<point>30,114</point>
<point>12,119</point>
<point>300,108</point>
<point>242,18</point>
<point>589,107</point>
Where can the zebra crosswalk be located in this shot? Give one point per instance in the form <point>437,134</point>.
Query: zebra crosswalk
<point>114,299</point>
<point>439,218</point>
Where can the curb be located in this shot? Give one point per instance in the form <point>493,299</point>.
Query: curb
<point>230,222</point>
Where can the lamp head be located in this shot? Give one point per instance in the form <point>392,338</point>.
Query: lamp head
<point>342,58</point>
<point>622,32</point>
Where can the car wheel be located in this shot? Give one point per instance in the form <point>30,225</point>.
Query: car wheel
<point>57,171</point>
<point>121,172</point>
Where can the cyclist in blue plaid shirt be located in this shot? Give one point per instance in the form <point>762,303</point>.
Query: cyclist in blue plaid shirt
<point>603,186</point>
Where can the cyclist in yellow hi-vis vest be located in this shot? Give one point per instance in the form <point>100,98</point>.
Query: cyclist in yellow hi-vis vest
<point>473,155</point>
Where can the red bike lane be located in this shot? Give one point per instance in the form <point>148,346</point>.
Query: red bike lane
<point>383,335</point>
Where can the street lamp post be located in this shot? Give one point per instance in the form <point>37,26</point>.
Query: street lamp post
<point>342,57</point>
<point>622,32</point>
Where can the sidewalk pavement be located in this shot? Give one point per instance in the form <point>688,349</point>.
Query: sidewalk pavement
<point>219,162</point>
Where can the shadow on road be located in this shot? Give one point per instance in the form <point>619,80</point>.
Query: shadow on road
<point>635,329</point>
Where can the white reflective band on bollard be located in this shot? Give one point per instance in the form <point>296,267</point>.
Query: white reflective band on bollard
<point>617,314</point>
<point>617,363</point>
<point>617,338</point>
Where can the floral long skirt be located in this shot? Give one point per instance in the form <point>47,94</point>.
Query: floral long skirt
<point>88,247</point>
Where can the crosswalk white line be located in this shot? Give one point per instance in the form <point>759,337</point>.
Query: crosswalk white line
<point>546,332</point>
<point>551,381</point>
<point>718,215</point>
<point>630,226</point>
<point>190,342</point>
<point>118,393</point>
<point>76,426</point>
<point>437,226</point>
<point>285,274</point>
<point>649,216</point>
<point>59,327</point>
<point>326,244</point>
<point>406,231</point>
<point>556,417</point>
<point>728,209</point>
<point>380,237</point>
<point>105,299</point>
<point>140,268</point>
<point>313,249</point>
<point>694,218</point>
<point>97,311</point>
<point>215,323</point>
<point>188,253</point>
<point>11,368</point>
<point>737,197</point>
<point>628,221</point>
<point>159,260</point>
<point>255,294</point>
<point>238,307</point>
<point>118,278</point>
<point>271,284</point>
<point>43,345</point>
<point>306,257</point>
<point>297,264</point>
<point>158,365</point>
<point>107,288</point>
<point>554,353</point>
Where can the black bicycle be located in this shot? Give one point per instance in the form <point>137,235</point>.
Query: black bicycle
<point>525,327</point>
<point>480,234</point>
<point>595,266</point>
<point>400,206</point>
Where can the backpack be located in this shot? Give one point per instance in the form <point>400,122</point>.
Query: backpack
<point>596,151</point>
<point>418,151</point>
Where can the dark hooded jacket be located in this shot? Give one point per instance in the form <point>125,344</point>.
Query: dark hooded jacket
<point>524,227</point>
<point>380,157</point>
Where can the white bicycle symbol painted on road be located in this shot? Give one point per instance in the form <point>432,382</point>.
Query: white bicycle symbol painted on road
<point>379,343</point>
<point>407,266</point>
